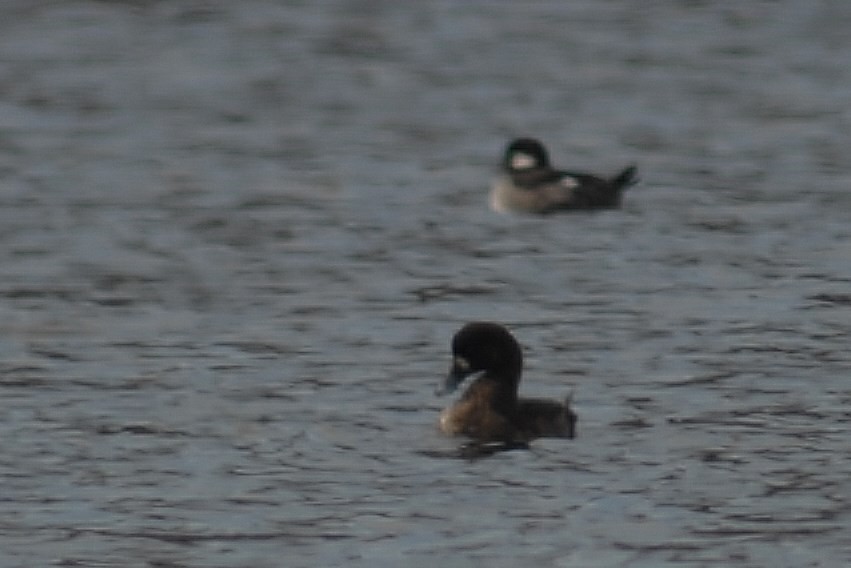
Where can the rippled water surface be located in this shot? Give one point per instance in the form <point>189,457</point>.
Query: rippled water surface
<point>237,237</point>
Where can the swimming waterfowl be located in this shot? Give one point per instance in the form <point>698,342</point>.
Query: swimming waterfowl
<point>490,409</point>
<point>529,183</point>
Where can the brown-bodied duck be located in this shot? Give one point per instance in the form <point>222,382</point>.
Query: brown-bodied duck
<point>490,409</point>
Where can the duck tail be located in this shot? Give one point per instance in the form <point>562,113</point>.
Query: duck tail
<point>569,417</point>
<point>627,177</point>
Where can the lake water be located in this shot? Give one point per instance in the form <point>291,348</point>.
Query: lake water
<point>237,238</point>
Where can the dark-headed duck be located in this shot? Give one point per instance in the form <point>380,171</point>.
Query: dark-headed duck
<point>530,184</point>
<point>490,410</point>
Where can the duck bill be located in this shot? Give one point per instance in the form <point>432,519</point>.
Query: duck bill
<point>460,370</point>
<point>453,379</point>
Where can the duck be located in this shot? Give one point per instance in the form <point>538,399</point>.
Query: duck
<point>490,409</point>
<point>529,184</point>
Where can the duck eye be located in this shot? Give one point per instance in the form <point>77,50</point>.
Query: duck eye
<point>522,161</point>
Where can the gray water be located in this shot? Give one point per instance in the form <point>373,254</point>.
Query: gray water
<point>238,236</point>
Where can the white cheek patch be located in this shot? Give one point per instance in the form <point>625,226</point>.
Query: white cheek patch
<point>461,363</point>
<point>522,161</point>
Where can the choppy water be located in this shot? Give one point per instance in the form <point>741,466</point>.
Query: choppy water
<point>237,237</point>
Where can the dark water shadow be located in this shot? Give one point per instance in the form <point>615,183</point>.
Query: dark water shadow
<point>476,450</point>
